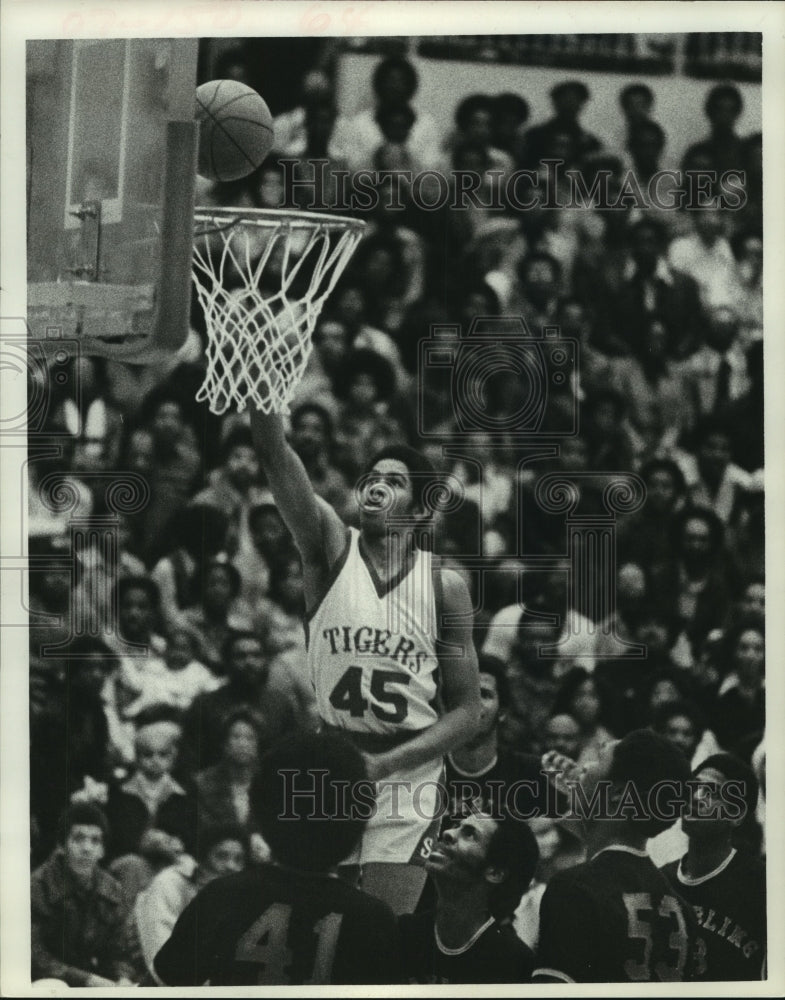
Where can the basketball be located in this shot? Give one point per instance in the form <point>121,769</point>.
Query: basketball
<point>236,130</point>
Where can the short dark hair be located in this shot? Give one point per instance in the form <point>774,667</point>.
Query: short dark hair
<point>240,437</point>
<point>664,465</point>
<point>305,408</point>
<point>235,716</point>
<point>128,583</point>
<point>234,636</point>
<point>421,469</point>
<point>513,847</point>
<point>709,518</point>
<point>159,712</point>
<point>213,834</point>
<point>471,104</point>
<point>664,713</point>
<point>395,64</point>
<point>636,88</point>
<point>644,759</point>
<point>578,86</point>
<point>653,225</point>
<point>313,832</point>
<point>512,104</point>
<point>364,361</point>
<point>719,93</point>
<point>83,814</point>
<point>733,768</point>
<point>496,668</point>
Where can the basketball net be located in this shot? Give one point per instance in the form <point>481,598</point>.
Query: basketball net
<point>262,277</point>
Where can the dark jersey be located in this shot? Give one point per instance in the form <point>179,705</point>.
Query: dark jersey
<point>515,781</point>
<point>617,919</point>
<point>730,906</point>
<point>273,926</point>
<point>495,955</point>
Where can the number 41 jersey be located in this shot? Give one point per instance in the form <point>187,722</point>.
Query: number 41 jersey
<point>276,927</point>
<point>372,646</point>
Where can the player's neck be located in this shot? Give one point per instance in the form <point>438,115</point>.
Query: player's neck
<point>602,833</point>
<point>476,759</point>
<point>460,912</point>
<point>387,553</point>
<point>704,857</point>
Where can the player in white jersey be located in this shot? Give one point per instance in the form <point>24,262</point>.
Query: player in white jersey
<point>375,605</point>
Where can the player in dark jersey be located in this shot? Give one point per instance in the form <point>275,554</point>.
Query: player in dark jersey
<point>726,887</point>
<point>616,918</point>
<point>480,868</point>
<point>480,775</point>
<point>292,921</point>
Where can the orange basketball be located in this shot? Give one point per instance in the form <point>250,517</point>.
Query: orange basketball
<point>236,130</point>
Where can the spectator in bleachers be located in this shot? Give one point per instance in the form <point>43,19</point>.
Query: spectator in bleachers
<point>223,850</point>
<point>569,98</point>
<point>174,468</point>
<point>713,481</point>
<point>693,587</point>
<point>311,435</point>
<point>215,617</point>
<point>706,256</point>
<point>636,101</point>
<point>717,371</point>
<point>136,804</point>
<point>723,107</point>
<point>394,83</point>
<point>474,123</point>
<point>199,533</point>
<point>222,791</point>
<point>77,911</point>
<point>303,128</point>
<point>740,709</point>
<point>643,537</point>
<point>254,684</point>
<point>591,704</point>
<point>747,246</point>
<point>510,114</point>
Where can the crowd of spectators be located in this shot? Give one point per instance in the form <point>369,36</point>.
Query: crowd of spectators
<point>154,731</point>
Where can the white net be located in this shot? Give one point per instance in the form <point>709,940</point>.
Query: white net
<point>262,277</point>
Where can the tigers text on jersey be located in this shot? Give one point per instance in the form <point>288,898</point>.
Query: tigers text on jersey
<point>372,646</point>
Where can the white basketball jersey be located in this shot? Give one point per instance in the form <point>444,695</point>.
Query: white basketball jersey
<point>372,646</point>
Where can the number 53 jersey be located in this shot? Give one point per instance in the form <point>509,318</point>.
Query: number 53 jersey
<point>616,919</point>
<point>277,927</point>
<point>372,646</point>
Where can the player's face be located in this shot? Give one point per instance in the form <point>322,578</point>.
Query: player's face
<point>704,819</point>
<point>461,851</point>
<point>386,494</point>
<point>226,858</point>
<point>490,707</point>
<point>84,848</point>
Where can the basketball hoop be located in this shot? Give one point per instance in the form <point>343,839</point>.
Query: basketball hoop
<point>262,277</point>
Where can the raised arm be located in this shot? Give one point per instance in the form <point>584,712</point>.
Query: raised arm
<point>318,532</point>
<point>460,690</point>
